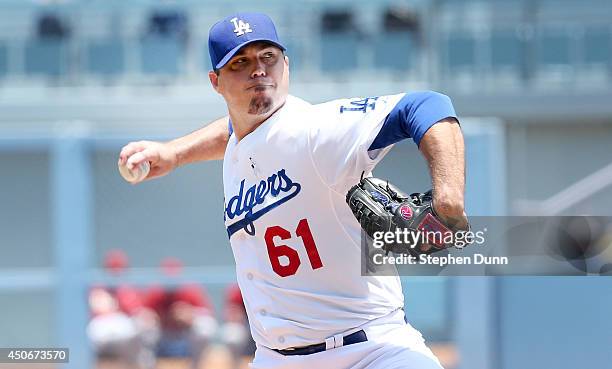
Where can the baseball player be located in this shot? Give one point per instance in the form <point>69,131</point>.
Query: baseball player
<point>287,166</point>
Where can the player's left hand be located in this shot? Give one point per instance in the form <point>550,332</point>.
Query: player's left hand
<point>381,207</point>
<point>449,209</point>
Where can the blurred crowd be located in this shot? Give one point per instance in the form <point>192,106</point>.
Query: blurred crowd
<point>135,327</point>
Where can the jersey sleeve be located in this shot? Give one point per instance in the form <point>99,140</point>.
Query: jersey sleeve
<point>342,134</point>
<point>412,117</point>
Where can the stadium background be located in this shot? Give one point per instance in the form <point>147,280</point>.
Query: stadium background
<point>532,81</point>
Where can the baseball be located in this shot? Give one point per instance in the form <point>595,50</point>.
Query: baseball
<point>137,174</point>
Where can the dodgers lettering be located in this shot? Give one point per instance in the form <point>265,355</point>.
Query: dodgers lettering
<point>245,202</point>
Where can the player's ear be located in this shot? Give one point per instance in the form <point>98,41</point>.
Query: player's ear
<point>214,80</point>
<point>286,66</point>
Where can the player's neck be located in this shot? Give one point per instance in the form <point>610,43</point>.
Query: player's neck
<point>244,124</point>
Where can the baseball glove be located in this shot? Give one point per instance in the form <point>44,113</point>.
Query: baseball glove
<point>380,208</point>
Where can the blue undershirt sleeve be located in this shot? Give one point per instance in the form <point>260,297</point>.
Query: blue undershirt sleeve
<point>413,115</point>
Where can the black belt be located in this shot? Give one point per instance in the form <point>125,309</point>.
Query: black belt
<point>352,338</point>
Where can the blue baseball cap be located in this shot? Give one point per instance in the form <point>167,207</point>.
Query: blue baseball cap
<point>232,33</point>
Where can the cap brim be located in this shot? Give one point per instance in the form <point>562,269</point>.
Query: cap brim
<point>233,51</point>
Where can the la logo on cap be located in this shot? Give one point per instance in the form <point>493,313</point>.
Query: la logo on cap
<point>240,27</point>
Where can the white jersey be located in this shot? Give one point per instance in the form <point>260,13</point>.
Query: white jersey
<point>294,238</point>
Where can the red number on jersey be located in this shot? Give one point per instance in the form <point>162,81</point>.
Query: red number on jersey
<point>276,251</point>
<point>303,231</point>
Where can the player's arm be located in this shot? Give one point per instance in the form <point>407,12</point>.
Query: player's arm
<point>207,143</point>
<point>443,148</point>
<point>429,118</point>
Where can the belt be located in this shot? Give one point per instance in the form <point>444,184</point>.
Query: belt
<point>352,338</point>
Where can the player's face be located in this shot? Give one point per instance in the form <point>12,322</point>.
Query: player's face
<point>255,81</point>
